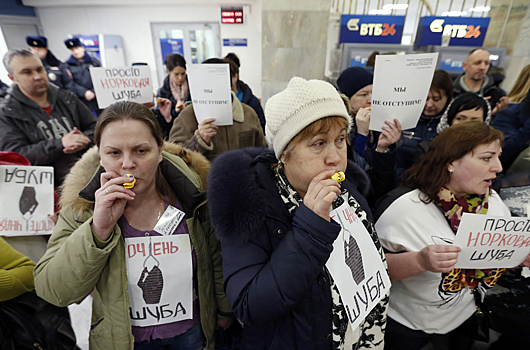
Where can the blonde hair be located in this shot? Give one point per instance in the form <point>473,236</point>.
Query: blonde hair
<point>521,86</point>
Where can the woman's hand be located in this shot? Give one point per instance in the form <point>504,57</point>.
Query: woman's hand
<point>390,135</point>
<point>207,129</point>
<point>111,199</point>
<point>362,120</point>
<point>164,105</point>
<point>321,193</point>
<point>526,262</point>
<point>438,258</point>
<point>179,107</point>
<point>225,324</point>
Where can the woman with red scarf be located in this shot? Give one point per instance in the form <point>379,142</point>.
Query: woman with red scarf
<point>417,224</point>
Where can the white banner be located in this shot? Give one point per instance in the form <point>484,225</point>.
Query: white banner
<point>489,242</point>
<point>26,200</point>
<point>356,266</point>
<point>122,84</point>
<point>210,92</point>
<point>160,275</point>
<point>401,86</point>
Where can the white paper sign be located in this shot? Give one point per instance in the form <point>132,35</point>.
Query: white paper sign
<point>401,86</point>
<point>26,200</point>
<point>160,276</point>
<point>210,92</point>
<point>122,84</point>
<point>356,266</point>
<point>489,242</point>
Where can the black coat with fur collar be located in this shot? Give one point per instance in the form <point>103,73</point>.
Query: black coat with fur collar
<point>273,264</point>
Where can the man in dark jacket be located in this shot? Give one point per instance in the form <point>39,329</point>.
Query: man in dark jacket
<point>79,64</point>
<point>475,79</point>
<point>47,125</point>
<point>57,71</point>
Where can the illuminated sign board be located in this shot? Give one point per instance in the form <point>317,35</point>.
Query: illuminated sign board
<point>90,42</point>
<point>371,29</point>
<point>464,31</point>
<point>232,15</point>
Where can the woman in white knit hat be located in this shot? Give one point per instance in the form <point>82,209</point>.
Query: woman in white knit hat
<point>303,267</point>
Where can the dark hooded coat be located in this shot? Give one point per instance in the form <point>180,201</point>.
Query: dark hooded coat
<point>273,264</point>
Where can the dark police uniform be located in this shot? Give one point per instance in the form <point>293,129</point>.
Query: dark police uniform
<point>81,74</point>
<point>58,73</point>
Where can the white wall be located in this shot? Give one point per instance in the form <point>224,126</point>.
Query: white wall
<point>3,49</point>
<point>132,21</point>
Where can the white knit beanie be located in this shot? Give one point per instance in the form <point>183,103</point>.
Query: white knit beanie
<point>300,104</point>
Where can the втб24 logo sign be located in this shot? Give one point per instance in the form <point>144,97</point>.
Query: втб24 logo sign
<point>463,31</point>
<point>375,29</point>
<point>455,30</point>
<point>371,29</point>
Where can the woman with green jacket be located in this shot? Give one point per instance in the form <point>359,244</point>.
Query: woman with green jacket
<point>134,229</point>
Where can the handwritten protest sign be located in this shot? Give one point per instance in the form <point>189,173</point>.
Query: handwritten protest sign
<point>160,276</point>
<point>122,84</point>
<point>26,201</point>
<point>492,241</point>
<point>210,92</point>
<point>401,86</point>
<point>356,266</point>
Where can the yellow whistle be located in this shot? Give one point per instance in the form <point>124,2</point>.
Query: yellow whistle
<point>130,184</point>
<point>339,176</point>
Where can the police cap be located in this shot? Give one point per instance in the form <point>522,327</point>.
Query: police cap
<point>36,41</point>
<point>71,43</point>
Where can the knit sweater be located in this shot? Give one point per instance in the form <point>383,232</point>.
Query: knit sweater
<point>16,272</point>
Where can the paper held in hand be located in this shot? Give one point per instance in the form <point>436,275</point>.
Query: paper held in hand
<point>210,92</point>
<point>492,241</point>
<point>401,86</point>
<point>122,84</point>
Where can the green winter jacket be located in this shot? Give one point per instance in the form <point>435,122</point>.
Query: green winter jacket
<point>77,262</point>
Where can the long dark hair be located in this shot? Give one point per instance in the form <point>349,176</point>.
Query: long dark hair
<point>125,110</point>
<point>174,60</point>
<point>429,174</point>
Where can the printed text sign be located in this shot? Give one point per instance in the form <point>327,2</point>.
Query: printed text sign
<point>401,86</point>
<point>210,92</point>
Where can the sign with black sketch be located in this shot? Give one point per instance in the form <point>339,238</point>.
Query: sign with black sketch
<point>401,86</point>
<point>210,92</point>
<point>160,276</point>
<point>26,201</point>
<point>122,84</point>
<point>489,242</point>
<point>356,266</point>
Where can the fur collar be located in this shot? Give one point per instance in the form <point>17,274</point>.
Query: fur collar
<point>242,193</point>
<point>87,169</point>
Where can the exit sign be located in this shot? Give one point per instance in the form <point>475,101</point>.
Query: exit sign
<point>232,15</point>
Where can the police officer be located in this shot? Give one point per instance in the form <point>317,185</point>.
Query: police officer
<point>79,64</point>
<point>56,70</point>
